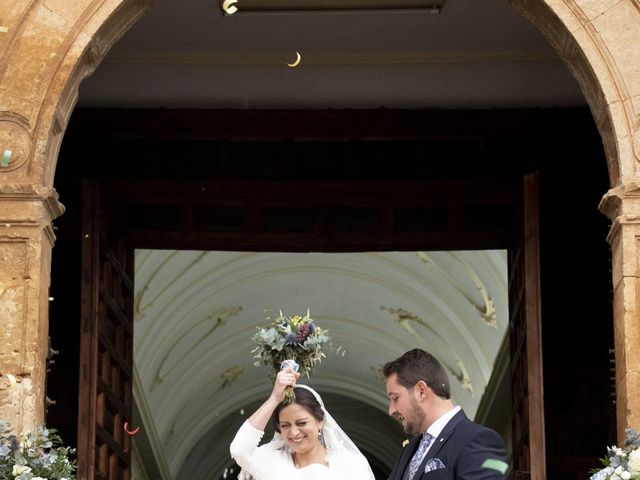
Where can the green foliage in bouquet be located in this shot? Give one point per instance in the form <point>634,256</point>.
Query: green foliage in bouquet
<point>37,455</point>
<point>290,338</point>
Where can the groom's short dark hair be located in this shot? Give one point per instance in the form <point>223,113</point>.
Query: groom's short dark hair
<point>416,365</point>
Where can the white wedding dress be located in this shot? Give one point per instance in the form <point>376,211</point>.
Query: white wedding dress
<point>267,463</point>
<point>273,461</point>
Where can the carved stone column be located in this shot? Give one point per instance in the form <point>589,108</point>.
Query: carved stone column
<point>622,206</point>
<point>26,239</point>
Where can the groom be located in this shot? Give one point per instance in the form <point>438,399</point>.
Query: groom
<point>446,445</point>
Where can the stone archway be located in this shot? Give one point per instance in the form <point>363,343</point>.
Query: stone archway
<point>51,45</point>
<point>592,40</point>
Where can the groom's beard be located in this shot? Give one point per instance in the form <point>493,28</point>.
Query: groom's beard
<point>415,419</point>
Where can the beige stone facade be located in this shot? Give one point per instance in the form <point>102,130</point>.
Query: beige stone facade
<point>49,46</point>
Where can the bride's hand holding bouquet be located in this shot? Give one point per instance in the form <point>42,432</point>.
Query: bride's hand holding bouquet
<point>285,379</point>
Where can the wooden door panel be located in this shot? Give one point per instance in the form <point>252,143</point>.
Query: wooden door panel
<point>106,362</point>
<point>527,406</point>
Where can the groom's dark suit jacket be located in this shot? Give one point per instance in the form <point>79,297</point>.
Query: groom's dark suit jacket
<point>463,450</point>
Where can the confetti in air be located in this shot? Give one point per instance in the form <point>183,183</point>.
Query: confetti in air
<point>229,7</point>
<point>296,62</point>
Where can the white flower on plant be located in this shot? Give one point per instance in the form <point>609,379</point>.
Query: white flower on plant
<point>634,462</point>
<point>4,451</point>
<point>621,463</point>
<point>20,455</point>
<point>620,473</point>
<point>602,474</point>
<point>48,459</point>
<point>20,469</point>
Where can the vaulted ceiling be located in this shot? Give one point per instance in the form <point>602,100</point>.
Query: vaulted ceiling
<point>196,311</point>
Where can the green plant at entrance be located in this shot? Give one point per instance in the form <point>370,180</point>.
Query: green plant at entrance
<point>38,455</point>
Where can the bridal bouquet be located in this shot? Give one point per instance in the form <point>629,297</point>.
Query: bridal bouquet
<point>621,463</point>
<point>35,455</point>
<point>294,338</point>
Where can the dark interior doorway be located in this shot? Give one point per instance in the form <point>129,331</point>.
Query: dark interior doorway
<point>404,179</point>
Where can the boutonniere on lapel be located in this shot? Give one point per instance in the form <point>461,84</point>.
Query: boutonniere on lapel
<point>405,442</point>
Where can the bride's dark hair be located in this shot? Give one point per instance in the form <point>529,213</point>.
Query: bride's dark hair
<point>305,399</point>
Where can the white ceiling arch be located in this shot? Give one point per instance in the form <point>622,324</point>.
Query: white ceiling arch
<point>196,311</point>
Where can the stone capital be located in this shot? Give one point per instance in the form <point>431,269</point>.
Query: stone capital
<point>29,206</point>
<point>624,199</point>
<point>621,205</point>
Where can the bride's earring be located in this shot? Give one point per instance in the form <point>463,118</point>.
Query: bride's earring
<point>321,438</point>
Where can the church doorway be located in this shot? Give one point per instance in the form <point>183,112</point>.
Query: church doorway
<point>430,181</point>
<point>468,197</point>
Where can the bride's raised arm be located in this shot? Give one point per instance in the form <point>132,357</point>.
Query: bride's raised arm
<point>244,447</point>
<point>261,416</point>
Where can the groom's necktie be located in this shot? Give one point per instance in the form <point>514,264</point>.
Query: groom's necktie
<point>427,438</point>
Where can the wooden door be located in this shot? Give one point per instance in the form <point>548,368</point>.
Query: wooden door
<point>106,345</point>
<point>528,443</point>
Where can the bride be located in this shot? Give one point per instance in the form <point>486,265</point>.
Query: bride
<point>308,443</point>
